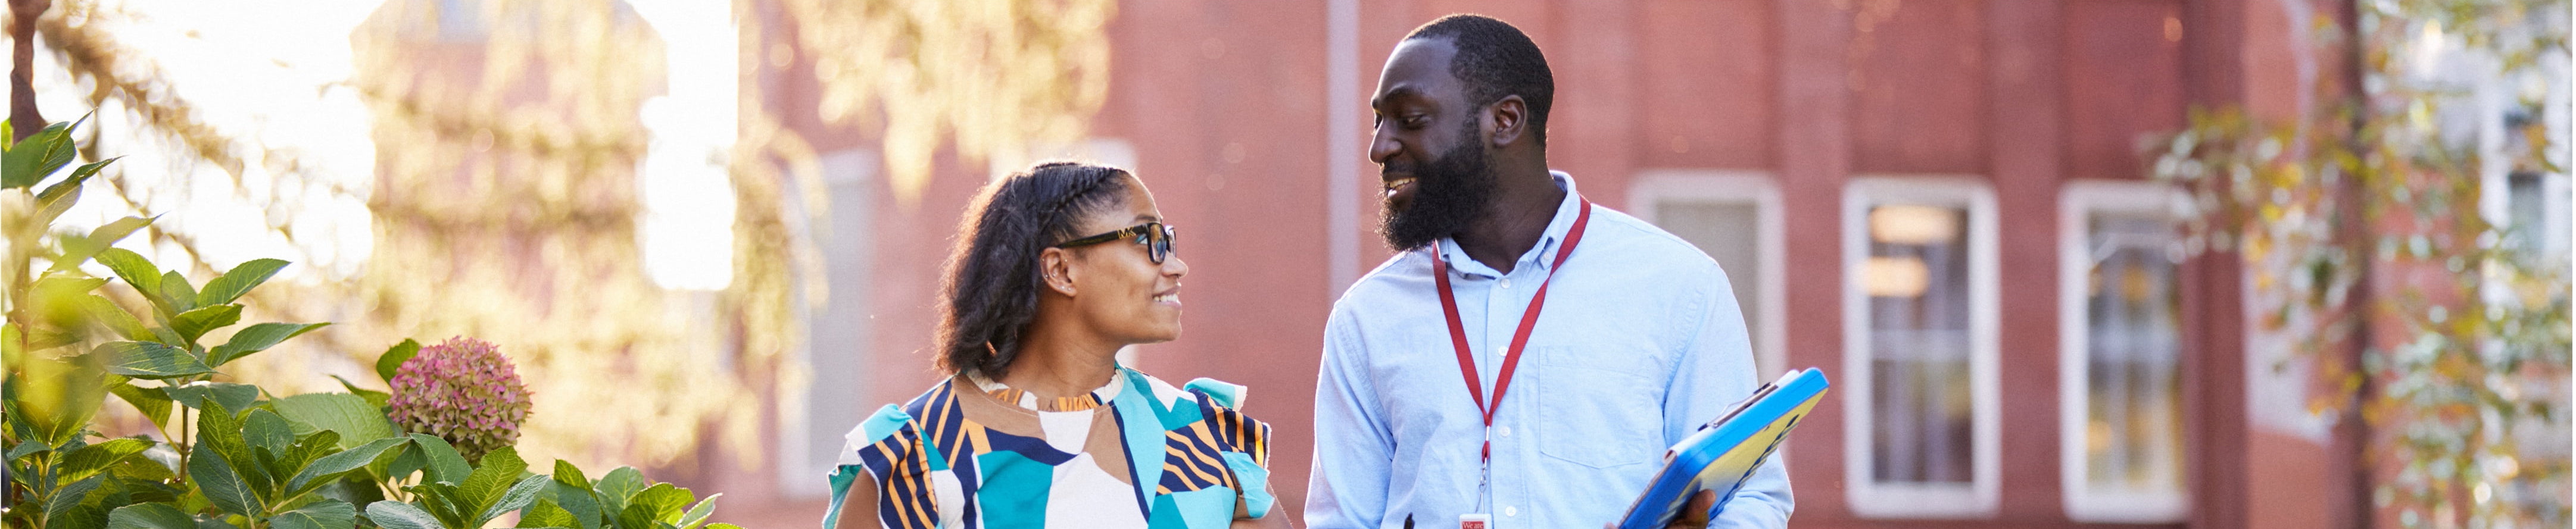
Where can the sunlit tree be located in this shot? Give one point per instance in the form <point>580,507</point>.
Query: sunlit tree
<point>2381,225</point>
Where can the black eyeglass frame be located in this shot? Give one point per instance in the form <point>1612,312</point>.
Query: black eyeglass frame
<point>1156,236</point>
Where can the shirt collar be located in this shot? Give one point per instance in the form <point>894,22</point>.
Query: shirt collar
<point>1539,255</point>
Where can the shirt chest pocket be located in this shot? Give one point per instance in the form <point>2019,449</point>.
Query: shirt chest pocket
<point>1600,407</point>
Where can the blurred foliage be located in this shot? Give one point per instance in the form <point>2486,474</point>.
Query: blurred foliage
<point>227,455</point>
<point>504,200</point>
<point>506,207</point>
<point>994,76</point>
<point>2375,224</point>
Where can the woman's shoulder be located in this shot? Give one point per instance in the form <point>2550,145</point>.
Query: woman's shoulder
<point>1211,392</point>
<point>893,420</point>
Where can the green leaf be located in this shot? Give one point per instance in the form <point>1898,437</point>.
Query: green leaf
<point>619,485</point>
<point>48,210</point>
<point>28,447</point>
<point>445,465</point>
<point>149,360</point>
<point>406,460</point>
<point>227,433</point>
<point>233,397</point>
<point>346,460</point>
<point>444,502</point>
<point>216,479</point>
<point>303,453</point>
<point>195,322</point>
<point>399,515</point>
<point>71,185</point>
<point>374,398</point>
<point>176,296</point>
<point>36,156</point>
<point>256,338</point>
<point>567,474</point>
<point>581,502</point>
<point>135,270</point>
<point>265,431</point>
<point>57,286</point>
<point>224,289</point>
<point>705,508</point>
<point>80,250</point>
<point>661,502</point>
<point>326,514</point>
<point>156,464</point>
<point>149,516</point>
<point>635,516</point>
<point>499,469</point>
<point>356,420</point>
<point>393,359</point>
<point>89,460</point>
<point>547,514</point>
<point>516,497</point>
<point>85,515</point>
<point>72,494</point>
<point>116,319</point>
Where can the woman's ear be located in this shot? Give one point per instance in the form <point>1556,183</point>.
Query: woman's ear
<point>1055,266</point>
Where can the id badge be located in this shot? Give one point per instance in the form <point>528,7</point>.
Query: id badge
<point>1476,521</point>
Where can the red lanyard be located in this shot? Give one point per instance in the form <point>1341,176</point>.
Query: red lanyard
<point>1520,338</point>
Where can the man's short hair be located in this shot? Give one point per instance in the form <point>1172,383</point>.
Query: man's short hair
<point>1495,60</point>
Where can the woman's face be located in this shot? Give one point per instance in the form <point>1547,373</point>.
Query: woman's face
<point>1118,289</point>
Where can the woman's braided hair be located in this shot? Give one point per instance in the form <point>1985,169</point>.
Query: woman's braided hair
<point>992,281</point>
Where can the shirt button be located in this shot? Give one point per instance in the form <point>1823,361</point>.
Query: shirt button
<point>1507,282</point>
<point>1511,511</point>
<point>1505,430</point>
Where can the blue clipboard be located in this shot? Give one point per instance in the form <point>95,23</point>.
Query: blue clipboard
<point>1725,451</point>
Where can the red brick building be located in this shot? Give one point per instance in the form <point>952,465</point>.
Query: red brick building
<point>1938,202</point>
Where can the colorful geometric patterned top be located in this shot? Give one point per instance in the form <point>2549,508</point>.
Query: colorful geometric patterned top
<point>972,453</point>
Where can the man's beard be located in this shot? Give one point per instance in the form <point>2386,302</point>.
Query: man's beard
<point>1449,194</point>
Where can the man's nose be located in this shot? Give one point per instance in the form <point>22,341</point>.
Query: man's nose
<point>1382,147</point>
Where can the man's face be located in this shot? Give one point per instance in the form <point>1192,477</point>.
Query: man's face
<point>1429,147</point>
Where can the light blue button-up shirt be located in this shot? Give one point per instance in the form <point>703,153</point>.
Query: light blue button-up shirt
<point>1640,343</point>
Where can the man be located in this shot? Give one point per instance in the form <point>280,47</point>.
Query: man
<point>1641,340</point>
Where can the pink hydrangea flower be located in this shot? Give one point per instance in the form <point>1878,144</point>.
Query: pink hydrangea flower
<point>464,391</point>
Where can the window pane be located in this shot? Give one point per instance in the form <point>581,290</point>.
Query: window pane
<point>1917,281</point>
<point>1730,233</point>
<point>2133,422</point>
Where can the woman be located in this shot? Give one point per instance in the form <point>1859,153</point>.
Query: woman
<point>1056,269</point>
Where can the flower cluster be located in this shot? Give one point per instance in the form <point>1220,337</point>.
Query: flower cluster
<point>464,391</point>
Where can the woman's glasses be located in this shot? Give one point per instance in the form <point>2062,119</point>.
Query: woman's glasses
<point>1156,236</point>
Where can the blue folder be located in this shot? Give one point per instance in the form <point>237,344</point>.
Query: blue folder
<point>1725,451</point>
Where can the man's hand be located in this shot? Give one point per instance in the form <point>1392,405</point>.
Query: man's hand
<point>1694,514</point>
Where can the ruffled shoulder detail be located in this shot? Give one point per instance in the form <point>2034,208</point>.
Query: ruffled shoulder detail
<point>1223,393</point>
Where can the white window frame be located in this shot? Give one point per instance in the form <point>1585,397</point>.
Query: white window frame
<point>2076,204</point>
<point>1743,187</point>
<point>1867,497</point>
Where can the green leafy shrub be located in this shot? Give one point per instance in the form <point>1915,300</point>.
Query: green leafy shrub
<point>229,454</point>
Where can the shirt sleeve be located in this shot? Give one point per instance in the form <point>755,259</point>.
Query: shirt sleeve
<point>1353,448</point>
<point>1714,371</point>
<point>885,449</point>
<point>1242,441</point>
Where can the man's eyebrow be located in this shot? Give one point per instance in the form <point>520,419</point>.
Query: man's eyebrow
<point>1393,93</point>
<point>1148,217</point>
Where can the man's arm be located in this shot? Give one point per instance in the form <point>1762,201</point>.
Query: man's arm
<point>1352,447</point>
<point>1714,371</point>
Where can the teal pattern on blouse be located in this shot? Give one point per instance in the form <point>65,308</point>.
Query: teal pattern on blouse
<point>934,466</point>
